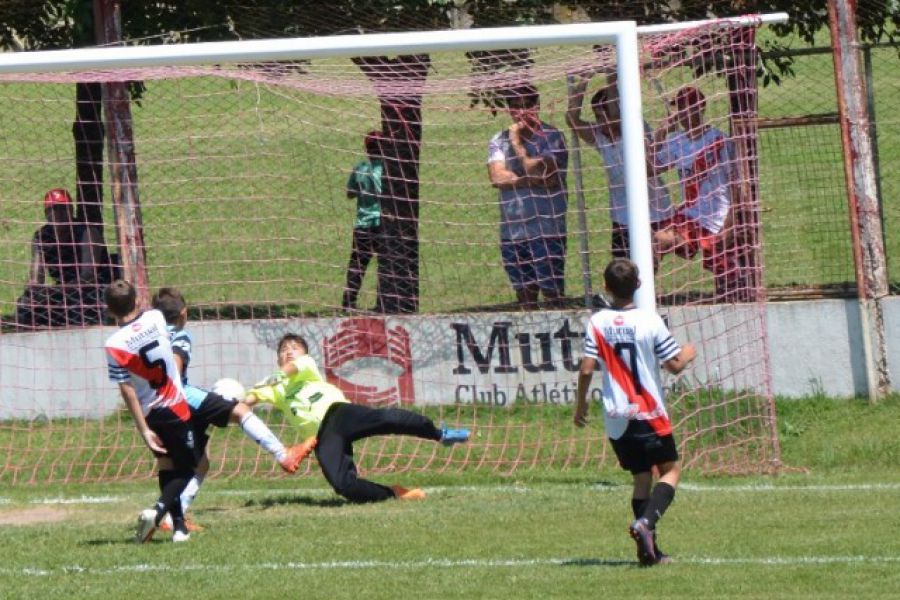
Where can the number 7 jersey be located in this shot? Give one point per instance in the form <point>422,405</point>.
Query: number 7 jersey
<point>629,343</point>
<point>140,353</point>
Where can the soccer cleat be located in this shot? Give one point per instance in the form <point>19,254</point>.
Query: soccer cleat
<point>295,454</point>
<point>146,525</point>
<point>181,536</point>
<point>453,436</point>
<point>166,524</point>
<point>643,536</point>
<point>661,557</point>
<point>405,494</point>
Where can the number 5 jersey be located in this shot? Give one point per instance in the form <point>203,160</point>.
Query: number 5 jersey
<point>140,353</point>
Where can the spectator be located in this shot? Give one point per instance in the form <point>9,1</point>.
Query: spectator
<point>605,134</point>
<point>69,267</point>
<point>366,185</point>
<point>704,158</point>
<point>67,251</point>
<point>527,164</point>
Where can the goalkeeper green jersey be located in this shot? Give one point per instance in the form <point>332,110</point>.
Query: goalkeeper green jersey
<point>304,397</point>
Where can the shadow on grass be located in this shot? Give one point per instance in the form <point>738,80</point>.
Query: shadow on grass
<point>296,500</point>
<point>598,562</point>
<point>123,541</point>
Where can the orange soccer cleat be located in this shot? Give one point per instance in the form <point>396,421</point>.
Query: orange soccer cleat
<point>295,454</point>
<point>404,494</point>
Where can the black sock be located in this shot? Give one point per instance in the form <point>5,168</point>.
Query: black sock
<point>660,499</point>
<point>171,484</point>
<point>638,505</point>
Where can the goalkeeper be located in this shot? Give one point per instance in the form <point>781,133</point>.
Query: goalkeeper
<point>330,423</point>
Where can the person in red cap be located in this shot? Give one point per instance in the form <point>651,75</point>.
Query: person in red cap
<point>69,265</point>
<point>63,249</point>
<point>704,158</point>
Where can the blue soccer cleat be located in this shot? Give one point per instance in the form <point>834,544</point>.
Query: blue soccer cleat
<point>453,436</point>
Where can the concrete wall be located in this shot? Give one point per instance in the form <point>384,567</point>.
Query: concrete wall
<point>484,358</point>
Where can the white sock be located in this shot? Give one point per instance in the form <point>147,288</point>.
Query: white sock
<point>190,491</point>
<point>260,433</point>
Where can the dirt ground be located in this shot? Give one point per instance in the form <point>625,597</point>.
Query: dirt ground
<point>32,516</point>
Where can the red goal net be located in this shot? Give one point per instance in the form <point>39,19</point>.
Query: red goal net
<point>230,182</point>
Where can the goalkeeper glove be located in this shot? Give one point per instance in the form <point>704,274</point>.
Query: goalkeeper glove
<point>274,379</point>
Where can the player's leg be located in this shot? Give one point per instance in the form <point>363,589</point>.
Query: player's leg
<point>177,436</point>
<point>192,488</point>
<point>619,241</point>
<point>335,455</point>
<point>518,264</point>
<point>356,268</point>
<point>358,421</point>
<point>255,429</point>
<point>660,452</point>
<point>663,492</point>
<point>549,264</point>
<point>628,449</point>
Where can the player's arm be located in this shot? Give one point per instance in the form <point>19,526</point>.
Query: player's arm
<point>585,373</point>
<point>352,185</point>
<point>36,269</point>
<point>680,361</point>
<point>582,128</point>
<point>540,169</point>
<point>134,406</point>
<point>502,177</point>
<point>658,160</point>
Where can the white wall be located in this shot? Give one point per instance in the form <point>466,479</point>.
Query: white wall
<point>814,346</point>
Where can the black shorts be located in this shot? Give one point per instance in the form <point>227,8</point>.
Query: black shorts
<point>214,410</point>
<point>640,448</point>
<point>177,437</point>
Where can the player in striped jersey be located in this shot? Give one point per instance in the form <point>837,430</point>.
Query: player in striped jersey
<point>209,408</point>
<point>140,360</point>
<point>629,343</point>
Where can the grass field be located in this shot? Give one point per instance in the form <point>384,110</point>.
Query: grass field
<point>825,528</point>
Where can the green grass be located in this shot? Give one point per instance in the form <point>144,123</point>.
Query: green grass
<point>825,527</point>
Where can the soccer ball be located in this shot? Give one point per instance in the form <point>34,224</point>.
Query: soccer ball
<point>229,388</point>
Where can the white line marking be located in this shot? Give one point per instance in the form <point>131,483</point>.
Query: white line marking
<point>447,563</point>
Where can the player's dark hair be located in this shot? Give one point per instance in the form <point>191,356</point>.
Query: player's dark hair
<point>292,337</point>
<point>524,96</point>
<point>372,142</point>
<point>170,302</point>
<point>121,297</point>
<point>621,278</point>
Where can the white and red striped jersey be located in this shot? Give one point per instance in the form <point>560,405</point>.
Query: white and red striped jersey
<point>629,344</point>
<point>140,353</point>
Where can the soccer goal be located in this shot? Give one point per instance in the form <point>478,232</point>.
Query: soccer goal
<point>224,169</point>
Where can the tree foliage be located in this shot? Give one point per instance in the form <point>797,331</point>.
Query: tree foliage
<point>49,24</point>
